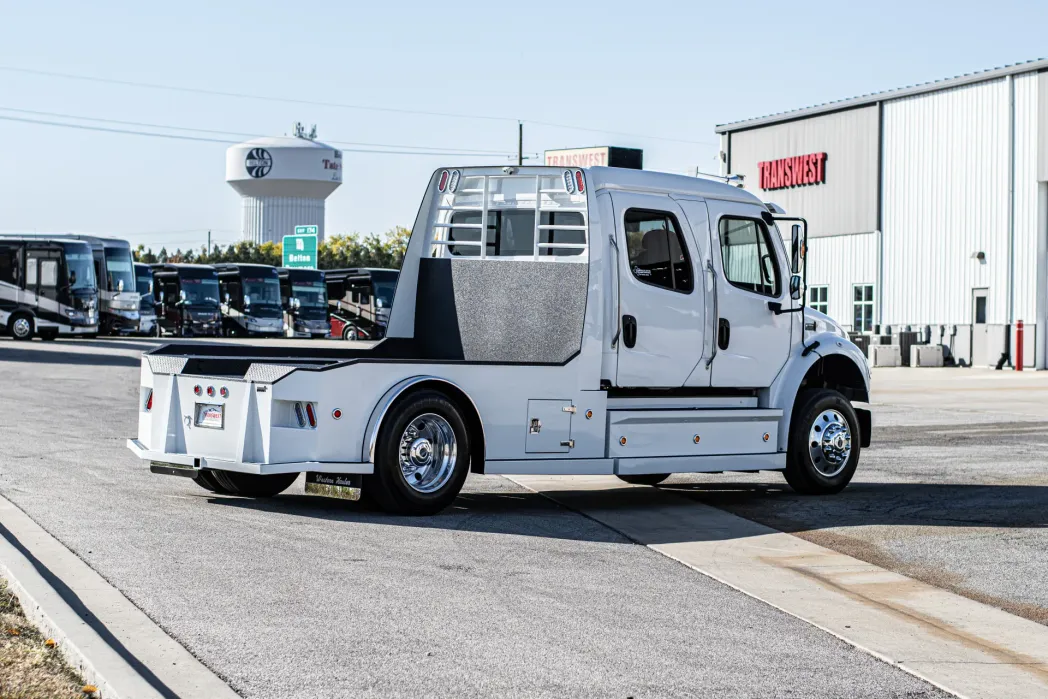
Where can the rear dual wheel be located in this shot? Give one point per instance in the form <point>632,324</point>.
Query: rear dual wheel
<point>422,456</point>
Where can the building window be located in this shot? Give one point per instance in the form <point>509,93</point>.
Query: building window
<point>748,257</point>
<point>818,298</point>
<point>863,307</point>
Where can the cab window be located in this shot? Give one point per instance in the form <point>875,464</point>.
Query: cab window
<point>748,256</point>
<point>657,252</point>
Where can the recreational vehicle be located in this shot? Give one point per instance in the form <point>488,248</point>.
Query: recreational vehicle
<point>303,297</point>
<point>360,300</point>
<point>250,296</point>
<point>187,299</point>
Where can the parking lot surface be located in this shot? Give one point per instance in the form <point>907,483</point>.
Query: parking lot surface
<point>505,594</point>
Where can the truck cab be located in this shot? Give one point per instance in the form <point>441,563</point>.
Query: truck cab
<point>360,300</point>
<point>303,296</point>
<point>545,321</point>
<point>186,297</point>
<point>250,297</point>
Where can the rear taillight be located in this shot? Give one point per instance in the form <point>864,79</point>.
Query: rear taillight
<point>149,401</point>
<point>579,181</point>
<point>569,182</point>
<point>311,415</point>
<point>300,415</point>
<point>443,183</point>
<point>453,183</point>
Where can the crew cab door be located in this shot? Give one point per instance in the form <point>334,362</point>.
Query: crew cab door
<point>661,304</point>
<point>751,270</point>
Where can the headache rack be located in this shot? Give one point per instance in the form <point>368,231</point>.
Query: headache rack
<point>540,193</point>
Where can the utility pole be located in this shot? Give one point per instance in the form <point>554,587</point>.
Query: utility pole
<point>209,242</point>
<point>520,143</point>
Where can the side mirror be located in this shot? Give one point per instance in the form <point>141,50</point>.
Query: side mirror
<point>161,296</point>
<point>119,285</point>
<point>182,296</point>
<point>247,300</point>
<point>227,298</point>
<point>795,287</point>
<point>795,248</point>
<point>296,304</point>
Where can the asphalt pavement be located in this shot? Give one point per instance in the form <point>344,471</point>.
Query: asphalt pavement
<point>504,594</point>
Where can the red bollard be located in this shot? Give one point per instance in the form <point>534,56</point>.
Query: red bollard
<point>1019,345</point>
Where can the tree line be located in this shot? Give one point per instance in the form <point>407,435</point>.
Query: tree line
<point>351,250</point>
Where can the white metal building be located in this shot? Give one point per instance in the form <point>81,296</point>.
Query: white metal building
<point>927,205</point>
<point>283,182</point>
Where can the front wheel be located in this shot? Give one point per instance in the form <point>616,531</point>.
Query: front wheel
<point>422,456</point>
<point>350,334</point>
<point>824,443</point>
<point>252,485</point>
<point>21,326</point>
<point>645,478</point>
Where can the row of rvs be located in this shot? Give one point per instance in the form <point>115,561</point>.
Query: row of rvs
<point>75,285</point>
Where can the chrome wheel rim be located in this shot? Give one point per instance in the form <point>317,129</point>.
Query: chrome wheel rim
<point>21,327</point>
<point>428,450</point>
<point>829,443</point>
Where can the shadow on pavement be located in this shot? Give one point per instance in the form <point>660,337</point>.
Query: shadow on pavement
<point>10,354</point>
<point>862,504</point>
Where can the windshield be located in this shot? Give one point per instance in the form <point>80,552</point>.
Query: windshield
<point>384,293</point>
<point>309,294</point>
<point>119,268</point>
<point>144,284</point>
<point>81,266</point>
<point>264,292</point>
<point>200,292</point>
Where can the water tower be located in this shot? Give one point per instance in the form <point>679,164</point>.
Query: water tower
<point>283,182</point>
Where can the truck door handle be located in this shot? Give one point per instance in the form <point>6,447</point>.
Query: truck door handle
<point>629,331</point>
<point>723,333</point>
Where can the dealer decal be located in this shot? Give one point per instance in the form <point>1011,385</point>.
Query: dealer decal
<point>797,171</point>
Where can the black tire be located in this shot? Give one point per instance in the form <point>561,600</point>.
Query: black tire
<point>817,475</point>
<point>254,486</point>
<point>350,334</point>
<point>207,481</point>
<point>388,487</point>
<point>645,478</point>
<point>21,326</point>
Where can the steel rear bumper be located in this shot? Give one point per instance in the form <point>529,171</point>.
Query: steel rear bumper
<point>187,461</point>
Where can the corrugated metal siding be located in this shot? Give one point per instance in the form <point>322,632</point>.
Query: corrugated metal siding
<point>269,219</point>
<point>839,262</point>
<point>945,198</point>
<point>1026,188</point>
<point>847,201</point>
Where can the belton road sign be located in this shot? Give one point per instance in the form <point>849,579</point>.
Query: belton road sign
<point>300,250</point>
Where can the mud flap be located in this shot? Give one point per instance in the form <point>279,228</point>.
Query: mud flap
<point>345,486</point>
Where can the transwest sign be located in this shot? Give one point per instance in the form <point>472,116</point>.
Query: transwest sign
<point>797,171</point>
<point>300,250</point>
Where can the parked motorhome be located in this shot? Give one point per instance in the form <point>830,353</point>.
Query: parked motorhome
<point>47,287</point>
<point>360,300</point>
<point>250,297</point>
<point>187,300</point>
<point>147,324</point>
<point>303,296</point>
<point>546,321</point>
<point>117,298</point>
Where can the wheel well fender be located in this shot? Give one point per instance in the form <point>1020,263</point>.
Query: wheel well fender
<point>406,388</point>
<point>835,364</point>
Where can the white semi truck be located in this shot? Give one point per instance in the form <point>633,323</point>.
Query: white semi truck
<point>546,321</point>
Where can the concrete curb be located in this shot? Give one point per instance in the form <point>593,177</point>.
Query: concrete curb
<point>114,645</point>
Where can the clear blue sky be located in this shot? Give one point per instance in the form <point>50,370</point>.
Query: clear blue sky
<point>651,68</point>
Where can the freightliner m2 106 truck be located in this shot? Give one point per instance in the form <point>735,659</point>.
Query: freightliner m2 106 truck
<point>546,321</point>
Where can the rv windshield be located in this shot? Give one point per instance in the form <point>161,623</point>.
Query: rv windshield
<point>144,283</point>
<point>264,291</point>
<point>81,266</point>
<point>200,292</point>
<point>384,292</point>
<point>119,268</point>
<point>309,294</point>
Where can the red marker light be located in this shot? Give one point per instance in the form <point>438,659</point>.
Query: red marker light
<point>311,414</point>
<point>579,181</point>
<point>224,391</point>
<point>442,185</point>
<point>197,390</point>
<point>149,401</point>
<point>211,391</point>
<point>336,413</point>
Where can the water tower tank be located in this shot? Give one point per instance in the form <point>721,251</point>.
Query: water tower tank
<point>283,182</point>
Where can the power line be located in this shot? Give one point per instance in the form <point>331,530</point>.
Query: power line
<point>231,133</point>
<point>179,137</point>
<point>337,105</point>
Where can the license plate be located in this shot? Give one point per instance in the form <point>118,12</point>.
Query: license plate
<point>211,416</point>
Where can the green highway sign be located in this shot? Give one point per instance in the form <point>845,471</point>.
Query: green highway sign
<point>300,250</point>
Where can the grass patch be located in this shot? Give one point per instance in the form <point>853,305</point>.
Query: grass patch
<point>29,668</point>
